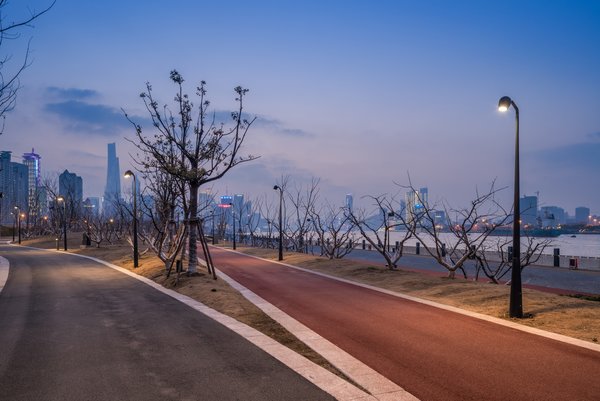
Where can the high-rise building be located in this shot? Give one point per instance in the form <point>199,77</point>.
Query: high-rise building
<point>206,202</point>
<point>70,187</point>
<point>416,200</point>
<point>36,204</point>
<point>112,191</point>
<point>529,213</point>
<point>14,187</point>
<point>226,201</point>
<point>349,202</point>
<point>91,206</point>
<point>582,214</point>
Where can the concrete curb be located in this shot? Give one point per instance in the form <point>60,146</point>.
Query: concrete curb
<point>4,268</point>
<point>321,377</point>
<point>491,319</point>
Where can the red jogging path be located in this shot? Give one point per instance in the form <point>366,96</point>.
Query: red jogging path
<point>432,353</point>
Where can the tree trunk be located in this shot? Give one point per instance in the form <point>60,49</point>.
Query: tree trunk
<point>193,230</point>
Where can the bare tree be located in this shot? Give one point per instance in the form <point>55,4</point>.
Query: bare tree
<point>160,233</point>
<point>55,211</point>
<point>303,199</point>
<point>9,80</point>
<point>333,227</point>
<point>388,217</point>
<point>468,238</point>
<point>192,146</point>
<point>268,211</point>
<point>494,259</point>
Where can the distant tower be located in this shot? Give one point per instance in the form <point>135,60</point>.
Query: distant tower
<point>70,186</point>
<point>582,214</point>
<point>35,202</point>
<point>112,192</point>
<point>349,202</point>
<point>528,206</point>
<point>416,201</point>
<point>14,187</point>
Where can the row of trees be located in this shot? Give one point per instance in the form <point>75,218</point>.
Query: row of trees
<point>308,221</point>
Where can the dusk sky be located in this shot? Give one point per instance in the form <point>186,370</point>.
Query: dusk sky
<point>358,93</point>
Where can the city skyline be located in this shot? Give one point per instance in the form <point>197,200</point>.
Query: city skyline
<point>367,95</point>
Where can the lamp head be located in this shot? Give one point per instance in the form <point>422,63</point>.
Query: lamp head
<point>60,199</point>
<point>128,174</point>
<point>276,187</point>
<point>504,103</point>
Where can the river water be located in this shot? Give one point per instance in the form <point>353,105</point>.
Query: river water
<point>580,245</point>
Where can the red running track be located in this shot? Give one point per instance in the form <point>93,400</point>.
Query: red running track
<point>432,353</point>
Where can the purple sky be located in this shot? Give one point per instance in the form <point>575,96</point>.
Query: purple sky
<point>358,93</point>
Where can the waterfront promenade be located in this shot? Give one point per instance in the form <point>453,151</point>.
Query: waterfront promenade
<point>432,353</point>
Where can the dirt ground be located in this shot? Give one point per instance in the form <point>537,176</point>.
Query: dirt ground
<point>573,317</point>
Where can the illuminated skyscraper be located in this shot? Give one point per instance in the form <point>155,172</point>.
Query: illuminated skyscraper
<point>112,191</point>
<point>35,202</point>
<point>13,187</point>
<point>416,201</point>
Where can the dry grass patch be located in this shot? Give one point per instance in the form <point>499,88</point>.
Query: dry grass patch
<point>573,317</point>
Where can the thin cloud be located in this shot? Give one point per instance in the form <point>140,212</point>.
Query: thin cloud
<point>579,156</point>
<point>594,135</point>
<point>279,128</point>
<point>90,118</point>
<point>71,93</point>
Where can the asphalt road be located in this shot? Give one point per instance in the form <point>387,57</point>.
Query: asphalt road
<point>73,329</point>
<point>432,353</point>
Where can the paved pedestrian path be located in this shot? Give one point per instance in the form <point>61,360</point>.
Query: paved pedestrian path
<point>433,353</point>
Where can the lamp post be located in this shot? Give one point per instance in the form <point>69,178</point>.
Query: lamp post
<point>516,296</point>
<point>233,218</point>
<point>128,174</point>
<point>64,202</point>
<point>212,215</point>
<point>21,216</point>
<point>15,213</point>
<point>2,217</point>
<point>278,188</point>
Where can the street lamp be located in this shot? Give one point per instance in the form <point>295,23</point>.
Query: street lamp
<point>61,199</point>
<point>233,218</point>
<point>21,216</point>
<point>15,213</point>
<point>212,218</point>
<point>128,174</point>
<point>278,188</point>
<point>516,293</point>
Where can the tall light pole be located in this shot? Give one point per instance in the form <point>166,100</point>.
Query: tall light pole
<point>233,219</point>
<point>64,202</point>
<point>2,217</point>
<point>516,292</point>
<point>212,215</point>
<point>21,216</point>
<point>278,188</point>
<point>128,174</point>
<point>15,212</point>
